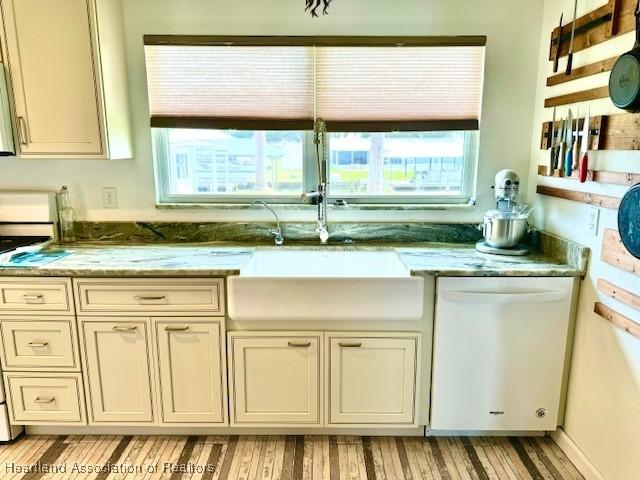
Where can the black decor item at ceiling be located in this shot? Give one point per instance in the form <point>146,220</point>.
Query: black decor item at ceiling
<point>313,5</point>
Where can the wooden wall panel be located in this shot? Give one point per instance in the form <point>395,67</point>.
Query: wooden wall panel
<point>614,253</point>
<point>583,197</point>
<point>600,176</point>
<point>575,97</point>
<point>620,294</point>
<point>618,319</point>
<point>582,72</point>
<point>623,22</point>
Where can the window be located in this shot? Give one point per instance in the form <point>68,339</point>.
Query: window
<point>233,162</point>
<point>232,118</point>
<point>399,164</point>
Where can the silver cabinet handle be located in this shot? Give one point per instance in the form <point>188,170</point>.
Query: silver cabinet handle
<point>176,329</point>
<point>22,131</point>
<point>299,344</point>
<point>350,344</point>
<point>44,399</point>
<point>149,298</point>
<point>33,298</point>
<point>123,328</point>
<point>38,344</point>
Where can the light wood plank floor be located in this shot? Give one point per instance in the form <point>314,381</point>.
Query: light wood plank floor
<point>283,457</point>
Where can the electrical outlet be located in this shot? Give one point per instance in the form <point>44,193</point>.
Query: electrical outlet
<point>593,221</point>
<point>109,197</point>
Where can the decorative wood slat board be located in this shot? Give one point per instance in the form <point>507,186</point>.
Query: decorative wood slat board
<point>608,132</point>
<point>582,72</point>
<point>576,97</point>
<point>297,457</point>
<point>614,253</point>
<point>600,176</point>
<point>623,22</point>
<point>620,294</point>
<point>618,319</point>
<point>595,128</point>
<point>621,132</point>
<point>582,197</point>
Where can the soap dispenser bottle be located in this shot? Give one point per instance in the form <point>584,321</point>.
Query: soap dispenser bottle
<point>67,216</point>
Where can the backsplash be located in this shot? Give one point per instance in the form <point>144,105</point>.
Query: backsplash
<point>183,232</point>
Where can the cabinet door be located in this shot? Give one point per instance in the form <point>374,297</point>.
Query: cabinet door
<point>116,366</point>
<point>53,74</point>
<point>275,379</point>
<point>190,364</point>
<point>372,380</point>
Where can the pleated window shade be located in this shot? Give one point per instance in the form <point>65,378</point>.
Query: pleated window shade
<point>353,88</point>
<point>375,88</point>
<point>230,86</point>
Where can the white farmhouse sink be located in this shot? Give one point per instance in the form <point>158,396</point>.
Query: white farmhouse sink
<point>325,285</point>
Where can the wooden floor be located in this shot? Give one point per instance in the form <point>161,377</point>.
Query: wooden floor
<point>280,457</point>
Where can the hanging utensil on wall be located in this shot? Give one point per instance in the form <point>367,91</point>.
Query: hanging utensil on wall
<point>624,81</point>
<point>556,59</point>
<point>576,143</point>
<point>552,151</point>
<point>583,168</point>
<point>573,35</point>
<point>568,157</point>
<point>629,220</point>
<point>562,148</point>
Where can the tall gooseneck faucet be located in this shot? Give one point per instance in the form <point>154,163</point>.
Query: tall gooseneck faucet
<point>319,196</point>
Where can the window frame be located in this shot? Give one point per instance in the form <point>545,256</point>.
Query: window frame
<point>164,175</point>
<point>160,125</point>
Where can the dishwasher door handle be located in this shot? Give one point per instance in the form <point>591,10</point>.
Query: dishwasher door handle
<point>497,297</point>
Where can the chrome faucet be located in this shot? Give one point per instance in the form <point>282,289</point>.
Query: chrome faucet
<point>319,196</point>
<point>276,233</point>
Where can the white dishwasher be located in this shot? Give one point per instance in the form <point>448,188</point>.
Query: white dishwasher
<point>499,352</point>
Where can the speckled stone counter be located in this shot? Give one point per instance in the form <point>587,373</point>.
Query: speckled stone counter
<point>216,261</point>
<point>467,262</point>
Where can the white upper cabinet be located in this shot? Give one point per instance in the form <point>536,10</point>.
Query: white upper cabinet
<point>66,63</point>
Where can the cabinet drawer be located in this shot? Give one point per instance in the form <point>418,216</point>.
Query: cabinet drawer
<point>144,296</point>
<point>41,295</point>
<point>50,399</point>
<point>43,345</point>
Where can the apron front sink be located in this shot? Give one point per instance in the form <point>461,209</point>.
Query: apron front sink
<point>325,285</point>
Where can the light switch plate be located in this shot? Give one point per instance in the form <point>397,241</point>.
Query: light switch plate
<point>109,197</point>
<point>593,221</point>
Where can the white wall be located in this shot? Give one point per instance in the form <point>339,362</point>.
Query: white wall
<point>603,409</point>
<point>512,27</point>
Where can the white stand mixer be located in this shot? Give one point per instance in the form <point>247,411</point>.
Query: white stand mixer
<point>504,227</point>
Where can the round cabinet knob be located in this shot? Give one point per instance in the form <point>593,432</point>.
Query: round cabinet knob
<point>541,412</point>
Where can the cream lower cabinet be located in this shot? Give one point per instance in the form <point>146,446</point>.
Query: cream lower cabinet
<point>371,378</point>
<point>118,374</point>
<point>128,359</point>
<point>275,378</point>
<point>190,367</point>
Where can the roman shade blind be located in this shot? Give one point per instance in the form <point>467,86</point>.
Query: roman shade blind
<point>353,83</point>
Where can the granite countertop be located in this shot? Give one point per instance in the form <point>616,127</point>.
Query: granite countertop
<point>222,260</point>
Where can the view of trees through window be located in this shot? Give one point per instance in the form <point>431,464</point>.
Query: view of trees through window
<point>272,163</point>
<point>236,162</point>
<point>414,163</point>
